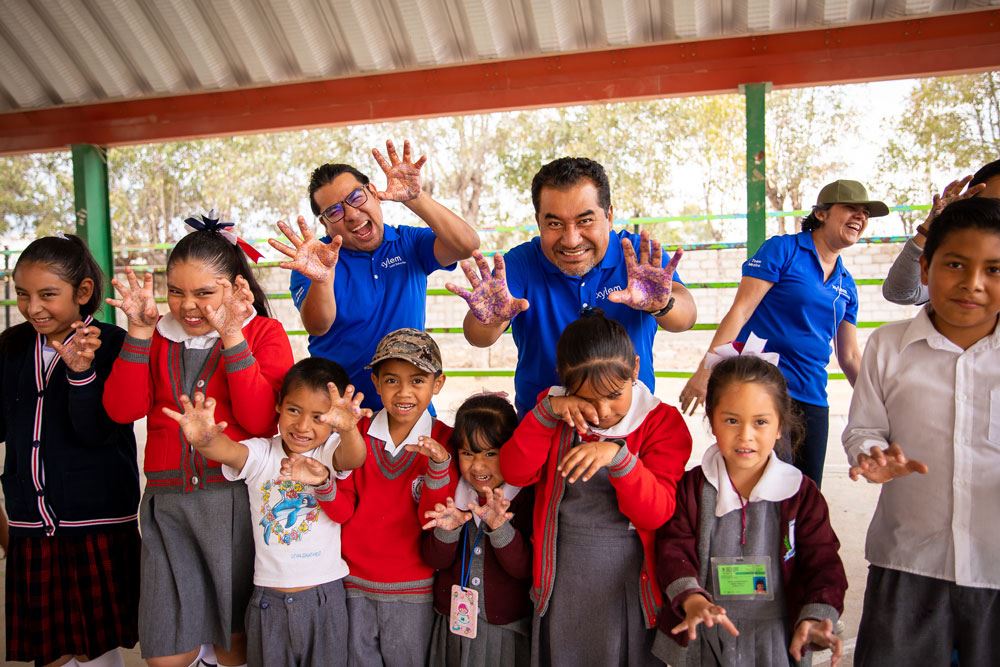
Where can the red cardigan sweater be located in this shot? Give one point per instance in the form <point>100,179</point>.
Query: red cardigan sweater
<point>644,476</point>
<point>379,507</point>
<point>811,570</point>
<point>244,381</point>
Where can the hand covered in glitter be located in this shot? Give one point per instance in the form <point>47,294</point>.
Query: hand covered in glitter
<point>446,517</point>
<point>811,634</point>
<point>402,177</point>
<point>236,307</point>
<point>884,466</point>
<point>649,284</point>
<point>494,513</point>
<point>310,256</point>
<point>137,301</point>
<point>78,352</point>
<point>952,192</point>
<point>489,300</point>
<point>304,469</point>
<point>198,420</point>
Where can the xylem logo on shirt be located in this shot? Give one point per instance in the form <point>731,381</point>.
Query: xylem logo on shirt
<point>754,263</point>
<point>393,261</point>
<point>842,291</point>
<point>603,294</point>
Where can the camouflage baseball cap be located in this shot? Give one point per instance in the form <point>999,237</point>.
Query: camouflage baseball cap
<point>412,345</point>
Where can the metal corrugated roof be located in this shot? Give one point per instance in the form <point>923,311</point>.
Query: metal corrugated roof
<point>59,52</point>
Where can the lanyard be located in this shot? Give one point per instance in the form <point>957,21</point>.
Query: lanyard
<point>743,513</point>
<point>467,562</point>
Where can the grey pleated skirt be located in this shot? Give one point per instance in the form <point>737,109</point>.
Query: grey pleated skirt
<point>494,645</point>
<point>196,568</point>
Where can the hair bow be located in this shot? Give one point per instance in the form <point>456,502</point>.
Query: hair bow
<point>753,347</point>
<point>212,223</point>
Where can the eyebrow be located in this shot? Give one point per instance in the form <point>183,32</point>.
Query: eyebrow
<point>196,289</point>
<point>584,214</point>
<point>736,414</point>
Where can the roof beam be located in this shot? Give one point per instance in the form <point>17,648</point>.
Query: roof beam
<point>895,49</point>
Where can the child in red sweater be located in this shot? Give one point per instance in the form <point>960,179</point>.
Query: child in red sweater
<point>216,339</point>
<point>389,596</point>
<point>605,455</point>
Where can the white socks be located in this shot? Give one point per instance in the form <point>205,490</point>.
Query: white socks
<point>112,658</point>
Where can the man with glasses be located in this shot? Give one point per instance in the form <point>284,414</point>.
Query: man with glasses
<point>365,279</point>
<point>577,261</point>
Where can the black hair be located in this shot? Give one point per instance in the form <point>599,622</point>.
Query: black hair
<point>985,173</point>
<point>594,349</point>
<point>324,174</point>
<point>215,250</point>
<point>313,373</point>
<point>746,369</point>
<point>811,222</point>
<point>976,213</point>
<point>70,259</point>
<point>567,172</point>
<point>484,421</point>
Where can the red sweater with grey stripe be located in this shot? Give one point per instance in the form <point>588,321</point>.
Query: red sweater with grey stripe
<point>644,475</point>
<point>381,505</point>
<point>244,381</point>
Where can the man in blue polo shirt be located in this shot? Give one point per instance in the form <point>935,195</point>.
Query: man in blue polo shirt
<point>576,262</point>
<point>365,279</point>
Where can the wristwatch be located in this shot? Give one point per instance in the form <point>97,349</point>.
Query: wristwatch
<point>663,311</point>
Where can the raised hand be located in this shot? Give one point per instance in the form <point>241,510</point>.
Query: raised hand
<point>304,469</point>
<point>884,466</point>
<point>819,634</point>
<point>310,256</point>
<point>494,513</point>
<point>697,610</point>
<point>576,412</point>
<point>649,285</point>
<point>78,352</point>
<point>198,420</point>
<point>137,301</point>
<point>430,448</point>
<point>229,317</point>
<point>952,192</point>
<point>402,177</point>
<point>446,517</point>
<point>345,410</point>
<point>694,391</point>
<point>586,459</point>
<point>489,300</point>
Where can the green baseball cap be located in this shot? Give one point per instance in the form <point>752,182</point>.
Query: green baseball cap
<point>850,192</point>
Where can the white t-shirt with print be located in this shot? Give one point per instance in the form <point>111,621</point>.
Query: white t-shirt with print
<point>297,543</point>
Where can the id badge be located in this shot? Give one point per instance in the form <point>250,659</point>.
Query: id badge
<point>464,611</point>
<point>746,578</point>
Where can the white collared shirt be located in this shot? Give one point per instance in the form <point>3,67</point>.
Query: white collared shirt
<point>643,402</point>
<point>941,405</point>
<point>779,481</point>
<point>465,495</point>
<point>171,329</point>
<point>379,428</point>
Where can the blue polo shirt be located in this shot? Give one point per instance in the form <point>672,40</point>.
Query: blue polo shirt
<point>377,292</point>
<point>800,314</point>
<point>556,299</point>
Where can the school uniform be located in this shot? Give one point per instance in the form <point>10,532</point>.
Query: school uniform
<point>389,589</point>
<point>295,545</point>
<point>786,519</point>
<point>497,564</point>
<point>71,490</point>
<point>195,524</point>
<point>933,583</point>
<point>799,317</point>
<point>593,571</point>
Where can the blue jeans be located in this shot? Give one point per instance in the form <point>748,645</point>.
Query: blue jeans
<point>811,453</point>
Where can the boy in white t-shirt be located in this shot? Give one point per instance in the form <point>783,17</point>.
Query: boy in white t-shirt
<point>297,614</point>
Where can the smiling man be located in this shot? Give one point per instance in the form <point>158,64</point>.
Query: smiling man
<point>576,262</point>
<point>365,279</point>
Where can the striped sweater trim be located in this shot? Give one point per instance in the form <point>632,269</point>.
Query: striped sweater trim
<point>399,591</point>
<point>438,474</point>
<point>543,591</point>
<point>83,523</point>
<point>544,414</point>
<point>82,381</point>
<point>623,463</point>
<point>238,358</point>
<point>136,350</point>
<point>327,492</point>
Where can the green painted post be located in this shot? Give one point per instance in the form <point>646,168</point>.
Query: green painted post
<point>756,105</point>
<point>93,212</point>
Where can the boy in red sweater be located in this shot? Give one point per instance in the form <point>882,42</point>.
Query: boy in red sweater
<point>389,590</point>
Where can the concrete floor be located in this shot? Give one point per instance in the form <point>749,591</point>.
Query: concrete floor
<point>851,503</point>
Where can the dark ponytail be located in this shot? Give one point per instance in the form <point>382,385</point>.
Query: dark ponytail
<point>594,349</point>
<point>70,259</point>
<point>212,248</point>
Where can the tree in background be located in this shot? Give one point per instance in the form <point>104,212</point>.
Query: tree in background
<point>36,194</point>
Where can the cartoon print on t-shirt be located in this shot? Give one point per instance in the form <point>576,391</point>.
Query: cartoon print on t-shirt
<point>283,518</point>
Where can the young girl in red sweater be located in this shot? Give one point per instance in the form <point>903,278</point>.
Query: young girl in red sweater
<point>750,554</point>
<point>216,339</point>
<point>605,456</point>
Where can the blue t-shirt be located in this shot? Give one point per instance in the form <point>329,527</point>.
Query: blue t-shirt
<point>377,292</point>
<point>556,299</point>
<point>800,314</point>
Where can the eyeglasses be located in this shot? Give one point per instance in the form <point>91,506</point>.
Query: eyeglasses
<point>335,212</point>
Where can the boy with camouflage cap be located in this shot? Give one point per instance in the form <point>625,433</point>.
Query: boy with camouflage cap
<point>389,590</point>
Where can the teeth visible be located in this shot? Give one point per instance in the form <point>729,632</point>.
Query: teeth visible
<point>573,252</point>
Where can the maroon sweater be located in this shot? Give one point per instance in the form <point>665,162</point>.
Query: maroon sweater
<point>811,570</point>
<point>506,569</point>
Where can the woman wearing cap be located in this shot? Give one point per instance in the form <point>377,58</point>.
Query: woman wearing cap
<point>797,294</point>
